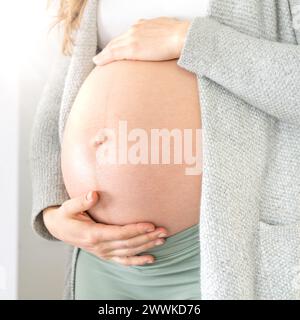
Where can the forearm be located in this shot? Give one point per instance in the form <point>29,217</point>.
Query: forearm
<point>263,73</point>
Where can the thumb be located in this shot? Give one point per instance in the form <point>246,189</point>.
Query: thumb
<point>81,203</point>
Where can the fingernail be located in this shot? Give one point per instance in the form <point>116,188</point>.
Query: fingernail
<point>149,261</point>
<point>162,235</point>
<point>150,229</point>
<point>96,59</point>
<point>159,242</point>
<point>89,196</point>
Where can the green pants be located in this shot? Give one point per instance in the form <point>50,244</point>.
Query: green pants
<point>174,274</point>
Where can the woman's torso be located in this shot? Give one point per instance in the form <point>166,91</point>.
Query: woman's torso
<point>145,96</point>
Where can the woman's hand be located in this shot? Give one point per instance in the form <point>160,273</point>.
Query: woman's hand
<point>153,40</point>
<point>71,224</point>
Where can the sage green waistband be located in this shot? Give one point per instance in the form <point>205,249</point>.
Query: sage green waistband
<point>182,244</point>
<point>175,274</point>
<point>178,251</point>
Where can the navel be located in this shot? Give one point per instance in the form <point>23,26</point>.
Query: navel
<point>100,138</point>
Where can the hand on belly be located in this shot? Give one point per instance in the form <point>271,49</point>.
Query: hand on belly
<point>134,185</point>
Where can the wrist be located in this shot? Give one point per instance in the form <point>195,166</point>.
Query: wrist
<point>48,209</point>
<point>47,213</point>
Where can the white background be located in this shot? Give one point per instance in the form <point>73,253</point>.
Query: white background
<point>30,267</point>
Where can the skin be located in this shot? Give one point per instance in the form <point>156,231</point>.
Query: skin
<point>157,39</point>
<point>71,224</point>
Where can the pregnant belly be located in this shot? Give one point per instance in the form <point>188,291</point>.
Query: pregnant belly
<point>133,135</point>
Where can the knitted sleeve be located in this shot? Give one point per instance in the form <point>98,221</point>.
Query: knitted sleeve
<point>265,74</point>
<point>47,183</point>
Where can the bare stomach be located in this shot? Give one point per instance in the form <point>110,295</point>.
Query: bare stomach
<point>133,136</point>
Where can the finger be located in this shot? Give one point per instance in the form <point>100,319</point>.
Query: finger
<point>133,261</point>
<point>105,232</point>
<point>137,241</point>
<point>116,41</point>
<point>134,251</point>
<point>118,51</point>
<point>112,43</point>
<point>106,56</point>
<point>80,204</point>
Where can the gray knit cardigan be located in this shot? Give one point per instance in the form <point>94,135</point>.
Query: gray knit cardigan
<point>247,61</point>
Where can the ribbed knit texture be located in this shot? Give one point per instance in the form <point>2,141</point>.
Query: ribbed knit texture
<point>247,60</point>
<point>47,183</point>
